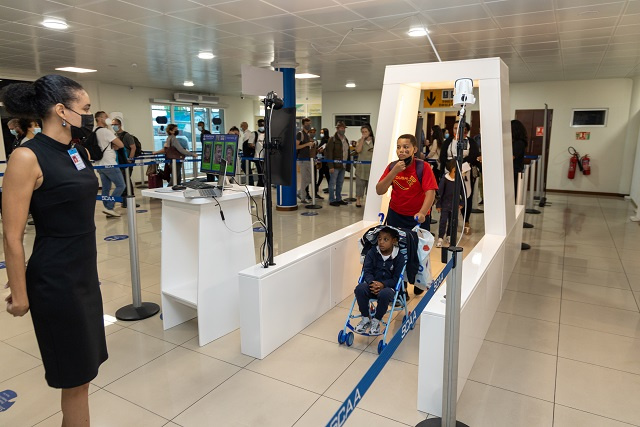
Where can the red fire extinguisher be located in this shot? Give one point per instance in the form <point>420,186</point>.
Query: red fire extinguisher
<point>573,162</point>
<point>586,167</point>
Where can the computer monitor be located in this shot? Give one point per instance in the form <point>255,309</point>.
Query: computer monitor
<point>215,148</point>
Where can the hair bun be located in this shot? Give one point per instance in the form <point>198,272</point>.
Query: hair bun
<point>19,99</point>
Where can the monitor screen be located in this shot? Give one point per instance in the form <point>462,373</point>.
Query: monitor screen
<point>216,148</point>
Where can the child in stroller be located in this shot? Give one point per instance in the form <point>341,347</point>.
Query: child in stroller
<point>381,271</point>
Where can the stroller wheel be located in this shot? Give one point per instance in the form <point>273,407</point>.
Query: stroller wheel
<point>350,339</point>
<point>341,337</point>
<point>381,346</point>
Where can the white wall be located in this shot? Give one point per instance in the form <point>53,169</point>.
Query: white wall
<point>350,102</point>
<point>135,105</point>
<point>633,139</point>
<point>609,148</point>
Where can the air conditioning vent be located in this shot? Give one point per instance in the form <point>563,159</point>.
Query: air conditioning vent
<point>209,99</point>
<point>186,97</point>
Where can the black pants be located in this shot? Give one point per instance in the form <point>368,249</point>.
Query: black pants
<point>394,219</point>
<point>260,169</point>
<point>243,166</point>
<point>445,223</point>
<point>323,173</point>
<point>466,210</point>
<point>363,295</point>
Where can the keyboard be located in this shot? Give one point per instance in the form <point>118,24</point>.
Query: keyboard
<point>198,185</point>
<point>191,193</point>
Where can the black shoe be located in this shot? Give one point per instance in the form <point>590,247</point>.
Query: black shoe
<point>31,222</point>
<point>319,197</point>
<point>325,190</point>
<point>335,204</point>
<point>342,202</point>
<point>481,202</point>
<point>417,291</point>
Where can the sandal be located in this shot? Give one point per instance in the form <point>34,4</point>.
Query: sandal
<point>467,230</point>
<point>358,206</point>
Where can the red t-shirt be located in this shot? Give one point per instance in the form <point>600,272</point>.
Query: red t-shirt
<point>407,196</point>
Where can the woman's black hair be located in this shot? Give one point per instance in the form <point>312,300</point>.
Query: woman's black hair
<point>367,126</point>
<point>326,134</point>
<point>436,132</point>
<point>518,131</point>
<point>36,99</point>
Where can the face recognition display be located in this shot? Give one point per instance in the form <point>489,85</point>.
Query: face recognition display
<point>216,148</point>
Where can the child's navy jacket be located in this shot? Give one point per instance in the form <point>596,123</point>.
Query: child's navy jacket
<point>386,272</point>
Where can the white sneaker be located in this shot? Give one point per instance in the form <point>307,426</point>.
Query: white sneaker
<point>375,326</point>
<point>439,243</point>
<point>111,212</point>
<point>363,325</point>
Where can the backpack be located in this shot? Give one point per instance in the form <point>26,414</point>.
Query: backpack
<point>419,168</point>
<point>136,142</point>
<point>90,143</point>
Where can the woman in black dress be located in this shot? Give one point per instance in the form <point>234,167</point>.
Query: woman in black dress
<point>54,179</point>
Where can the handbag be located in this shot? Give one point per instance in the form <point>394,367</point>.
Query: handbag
<point>172,152</point>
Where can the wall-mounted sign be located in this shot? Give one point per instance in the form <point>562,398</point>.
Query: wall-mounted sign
<point>539,130</point>
<point>438,98</point>
<point>583,136</point>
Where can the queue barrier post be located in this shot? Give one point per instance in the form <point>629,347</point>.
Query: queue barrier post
<point>532,180</point>
<point>174,172</point>
<point>138,310</point>
<point>351,172</point>
<point>525,246</point>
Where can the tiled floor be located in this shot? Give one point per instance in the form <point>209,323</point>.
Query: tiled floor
<point>563,349</point>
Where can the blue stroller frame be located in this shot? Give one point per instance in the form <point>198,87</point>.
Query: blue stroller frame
<point>368,242</point>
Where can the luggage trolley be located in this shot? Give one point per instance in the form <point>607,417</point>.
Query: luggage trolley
<point>367,242</point>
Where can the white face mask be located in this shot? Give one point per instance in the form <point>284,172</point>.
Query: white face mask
<point>36,131</point>
<point>322,135</point>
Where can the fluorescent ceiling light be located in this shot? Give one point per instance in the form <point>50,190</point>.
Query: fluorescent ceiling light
<point>350,84</point>
<point>206,55</point>
<point>76,70</point>
<point>418,31</point>
<point>55,23</point>
<point>306,76</point>
<point>188,83</point>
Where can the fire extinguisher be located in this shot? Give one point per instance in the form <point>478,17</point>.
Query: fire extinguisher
<point>586,167</point>
<point>573,162</point>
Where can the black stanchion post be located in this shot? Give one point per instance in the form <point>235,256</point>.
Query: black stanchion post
<point>532,180</point>
<point>451,346</point>
<point>138,310</point>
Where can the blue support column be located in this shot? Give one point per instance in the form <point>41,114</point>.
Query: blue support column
<point>286,195</point>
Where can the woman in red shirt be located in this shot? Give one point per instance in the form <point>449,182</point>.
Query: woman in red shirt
<point>411,198</point>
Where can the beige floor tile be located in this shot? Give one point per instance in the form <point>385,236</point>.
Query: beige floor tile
<point>327,327</point>
<point>396,379</point>
<point>569,417</point>
<point>609,279</point>
<point>15,361</point>
<point>324,408</point>
<point>515,369</point>
<point>599,295</point>
<point>249,399</point>
<point>36,401</point>
<point>587,251</point>
<point>601,391</point>
<point>628,242</point>
<point>634,282</point>
<point>535,285</point>
<point>629,255</point>
<point>183,377</point>
<point>539,269</point>
<point>11,326</point>
<point>110,308</point>
<point>408,350</point>
<point>524,332</point>
<point>306,362</point>
<point>481,405</point>
<point>128,350</point>
<point>542,255</point>
<point>179,334</point>
<point>592,263</point>
<point>110,410</point>
<point>599,318</point>
<point>226,348</point>
<point>600,348</point>
<point>112,290</point>
<point>529,305</point>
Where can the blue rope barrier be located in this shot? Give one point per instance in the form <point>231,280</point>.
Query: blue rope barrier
<point>349,405</point>
<point>531,157</point>
<point>109,198</point>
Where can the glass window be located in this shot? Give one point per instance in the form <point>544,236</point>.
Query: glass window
<point>217,121</point>
<point>160,118</point>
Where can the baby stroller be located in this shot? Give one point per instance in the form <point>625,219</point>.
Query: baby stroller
<point>367,242</point>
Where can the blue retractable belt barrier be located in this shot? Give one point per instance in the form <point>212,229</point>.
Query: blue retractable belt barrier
<point>349,405</point>
<point>109,198</point>
<point>531,157</point>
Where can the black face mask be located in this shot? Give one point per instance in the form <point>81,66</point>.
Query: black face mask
<point>87,123</point>
<point>177,132</point>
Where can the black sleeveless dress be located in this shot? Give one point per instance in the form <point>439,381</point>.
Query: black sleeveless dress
<point>62,273</point>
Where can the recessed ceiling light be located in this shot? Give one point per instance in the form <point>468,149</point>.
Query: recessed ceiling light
<point>188,83</point>
<point>306,76</point>
<point>350,84</point>
<point>206,55</point>
<point>76,70</point>
<point>55,23</point>
<point>418,31</point>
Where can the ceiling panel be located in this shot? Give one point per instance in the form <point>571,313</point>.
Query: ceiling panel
<point>535,18</point>
<point>300,6</point>
<point>330,15</point>
<point>457,14</point>
<point>381,8</point>
<point>591,11</point>
<point>516,7</point>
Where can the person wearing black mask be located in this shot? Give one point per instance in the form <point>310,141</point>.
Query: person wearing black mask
<point>59,287</point>
<point>323,172</point>
<point>203,131</point>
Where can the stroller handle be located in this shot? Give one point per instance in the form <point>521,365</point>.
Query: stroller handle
<point>381,216</point>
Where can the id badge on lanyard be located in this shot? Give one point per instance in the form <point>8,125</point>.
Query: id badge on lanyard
<point>77,160</point>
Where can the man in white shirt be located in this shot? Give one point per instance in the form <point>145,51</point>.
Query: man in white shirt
<point>260,152</point>
<point>248,140</point>
<point>107,140</point>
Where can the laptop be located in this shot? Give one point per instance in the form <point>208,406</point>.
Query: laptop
<point>198,190</point>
